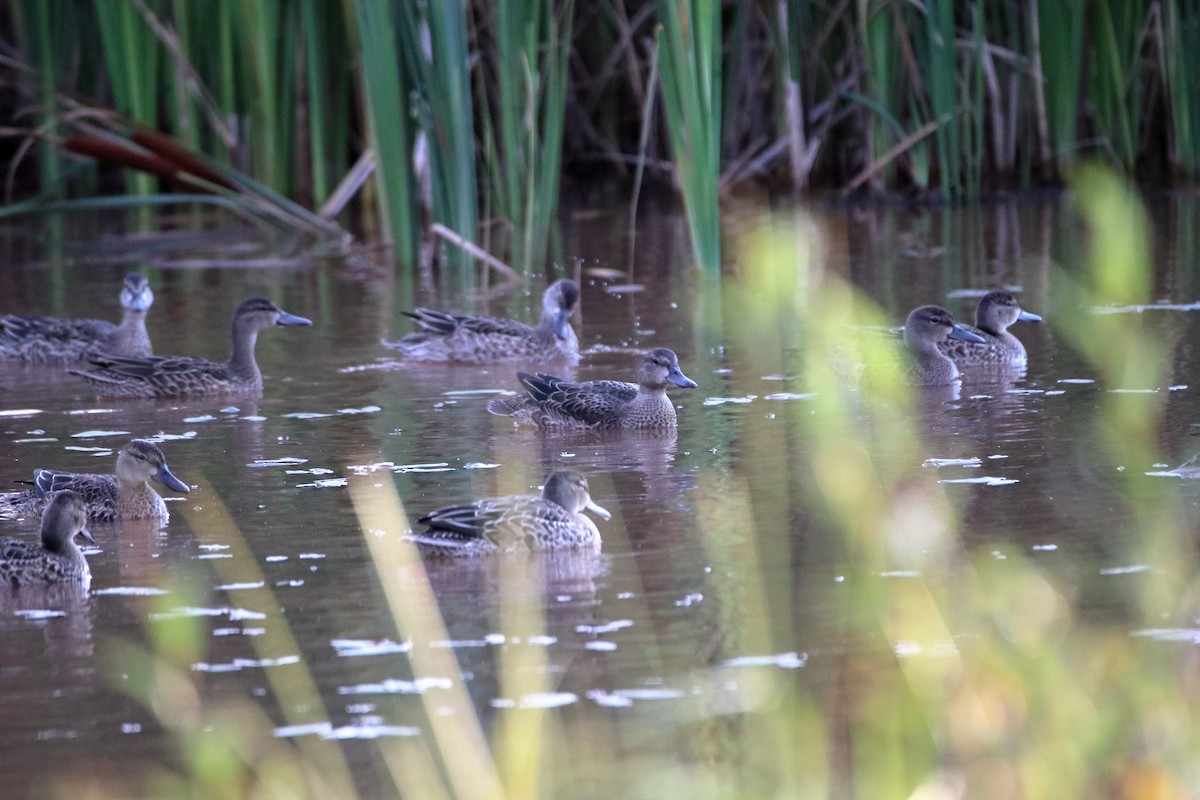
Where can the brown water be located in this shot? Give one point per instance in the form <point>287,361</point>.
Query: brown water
<point>708,523</point>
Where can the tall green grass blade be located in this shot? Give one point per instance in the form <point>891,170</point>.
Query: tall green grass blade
<point>388,120</point>
<point>532,51</point>
<point>1181,61</point>
<point>38,23</point>
<point>1116,79</point>
<point>267,38</point>
<point>440,74</point>
<point>881,54</point>
<point>934,43</point>
<point>1061,43</point>
<point>132,54</point>
<point>689,37</point>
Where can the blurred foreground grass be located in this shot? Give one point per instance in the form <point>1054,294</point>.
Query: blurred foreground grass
<point>977,677</point>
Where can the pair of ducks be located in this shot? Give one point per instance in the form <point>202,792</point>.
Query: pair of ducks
<point>67,500</point>
<point>120,357</point>
<point>549,401</point>
<point>939,346</point>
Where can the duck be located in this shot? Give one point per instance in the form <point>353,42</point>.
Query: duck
<point>552,521</point>
<point>551,402</point>
<point>995,312</point>
<point>465,339</point>
<point>186,376</point>
<point>57,559</point>
<point>125,495</point>
<point>48,340</point>
<point>924,330</point>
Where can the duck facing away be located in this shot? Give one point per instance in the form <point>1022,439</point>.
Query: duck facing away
<point>186,376</point>
<point>486,340</point>
<point>553,521</point>
<point>924,330</point>
<point>57,559</point>
<point>551,402</point>
<point>995,312</point>
<point>125,495</point>
<point>48,340</point>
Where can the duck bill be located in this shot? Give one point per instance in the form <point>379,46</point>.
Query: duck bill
<point>961,333</point>
<point>679,379</point>
<point>598,510</point>
<point>168,479</point>
<point>562,324</point>
<point>291,319</point>
<point>86,535</point>
<point>1029,316</point>
<point>141,301</point>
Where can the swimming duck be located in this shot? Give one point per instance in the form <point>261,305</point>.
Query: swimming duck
<point>925,328</point>
<point>42,340</point>
<point>995,312</point>
<point>551,402</point>
<point>487,340</point>
<point>185,376</point>
<point>58,558</point>
<point>125,495</point>
<point>553,521</point>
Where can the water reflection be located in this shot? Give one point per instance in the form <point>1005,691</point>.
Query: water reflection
<point>720,574</point>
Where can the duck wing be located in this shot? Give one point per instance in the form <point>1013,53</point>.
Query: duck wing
<point>442,323</point>
<point>20,551</point>
<point>503,521</point>
<point>23,327</point>
<point>590,402</point>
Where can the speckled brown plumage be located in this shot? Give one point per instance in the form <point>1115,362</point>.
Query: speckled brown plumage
<point>186,376</point>
<point>551,402</point>
<point>49,340</point>
<point>469,339</point>
<point>553,521</point>
<point>56,558</point>
<point>125,495</point>
<point>995,312</point>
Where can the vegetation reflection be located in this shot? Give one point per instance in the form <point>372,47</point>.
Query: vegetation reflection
<point>953,672</point>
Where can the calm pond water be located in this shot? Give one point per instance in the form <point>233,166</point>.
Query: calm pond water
<point>712,528</point>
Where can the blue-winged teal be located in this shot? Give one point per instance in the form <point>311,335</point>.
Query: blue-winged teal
<point>553,521</point>
<point>125,495</point>
<point>551,402</point>
<point>42,340</point>
<point>185,376</point>
<point>486,340</point>
<point>925,328</point>
<point>995,312</point>
<point>58,558</point>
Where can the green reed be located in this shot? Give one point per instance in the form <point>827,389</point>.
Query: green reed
<point>1180,60</point>
<point>133,56</point>
<point>440,76</point>
<point>387,88</point>
<point>1116,82</point>
<point>1058,50</point>
<point>532,50</point>
<point>879,27</point>
<point>689,41</point>
<point>936,97</point>
<point>943,666</point>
